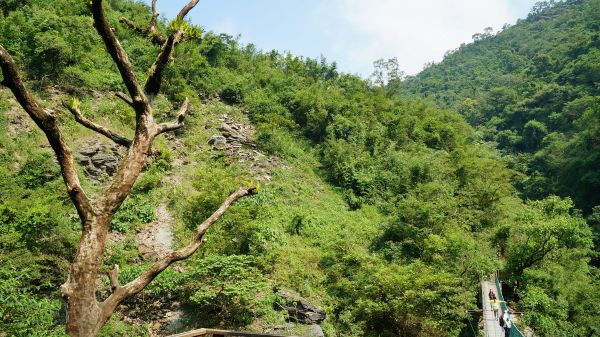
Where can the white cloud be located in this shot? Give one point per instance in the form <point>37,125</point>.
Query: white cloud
<point>415,32</point>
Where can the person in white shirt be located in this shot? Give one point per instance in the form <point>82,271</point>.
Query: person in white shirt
<point>507,324</point>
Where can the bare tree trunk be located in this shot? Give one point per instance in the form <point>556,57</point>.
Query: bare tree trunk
<point>84,311</point>
<point>86,315</point>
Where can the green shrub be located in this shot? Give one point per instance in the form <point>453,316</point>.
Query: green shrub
<point>39,169</point>
<point>23,314</point>
<point>227,289</point>
<point>134,211</point>
<point>148,181</point>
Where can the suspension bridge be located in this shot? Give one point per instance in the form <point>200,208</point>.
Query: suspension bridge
<point>491,325</point>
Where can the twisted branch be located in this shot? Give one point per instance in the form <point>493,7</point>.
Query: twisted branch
<point>137,285</point>
<point>183,110</point>
<point>152,32</point>
<point>49,125</point>
<point>154,80</point>
<point>115,137</point>
<point>186,9</point>
<point>119,56</point>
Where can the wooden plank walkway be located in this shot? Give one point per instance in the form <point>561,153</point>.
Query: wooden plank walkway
<point>222,333</point>
<point>491,327</point>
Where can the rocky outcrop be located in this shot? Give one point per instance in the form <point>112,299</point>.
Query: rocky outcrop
<point>297,329</point>
<point>16,119</point>
<point>315,331</point>
<point>300,310</point>
<point>233,138</point>
<point>218,142</point>
<point>99,159</point>
<point>236,141</point>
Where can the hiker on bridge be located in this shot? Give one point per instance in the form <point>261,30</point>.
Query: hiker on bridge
<point>495,304</point>
<point>492,295</point>
<point>505,323</point>
<point>507,327</point>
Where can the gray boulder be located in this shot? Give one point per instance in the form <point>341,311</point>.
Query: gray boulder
<point>315,331</point>
<point>218,142</point>
<point>300,310</point>
<point>99,159</point>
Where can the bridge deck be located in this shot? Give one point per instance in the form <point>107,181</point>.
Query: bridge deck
<point>491,327</point>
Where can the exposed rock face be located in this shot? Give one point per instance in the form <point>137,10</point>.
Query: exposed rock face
<point>297,329</point>
<point>315,331</point>
<point>236,133</point>
<point>233,137</point>
<point>300,310</point>
<point>218,142</point>
<point>99,159</point>
<point>17,120</point>
<point>235,140</point>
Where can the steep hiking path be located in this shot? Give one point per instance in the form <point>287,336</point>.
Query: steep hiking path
<point>223,136</point>
<point>156,239</point>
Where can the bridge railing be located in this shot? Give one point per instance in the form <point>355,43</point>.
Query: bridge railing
<point>514,331</point>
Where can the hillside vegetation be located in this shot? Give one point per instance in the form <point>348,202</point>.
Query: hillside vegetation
<point>381,207</point>
<point>532,89</point>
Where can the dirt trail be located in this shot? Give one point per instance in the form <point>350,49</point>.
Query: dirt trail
<point>234,140</point>
<point>156,239</point>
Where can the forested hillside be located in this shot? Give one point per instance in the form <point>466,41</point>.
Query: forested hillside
<point>380,207</point>
<point>532,89</point>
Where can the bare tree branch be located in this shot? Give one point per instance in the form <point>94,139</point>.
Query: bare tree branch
<point>154,80</point>
<point>119,56</point>
<point>135,159</point>
<point>113,277</point>
<point>115,137</point>
<point>124,97</point>
<point>133,26</point>
<point>186,9</point>
<point>154,14</point>
<point>183,110</point>
<point>146,277</point>
<point>152,32</point>
<point>47,123</point>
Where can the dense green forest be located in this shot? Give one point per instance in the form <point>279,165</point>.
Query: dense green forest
<point>532,90</point>
<point>381,202</point>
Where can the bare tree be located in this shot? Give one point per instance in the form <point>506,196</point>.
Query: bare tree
<point>87,314</point>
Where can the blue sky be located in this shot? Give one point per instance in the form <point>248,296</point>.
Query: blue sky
<point>354,33</point>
